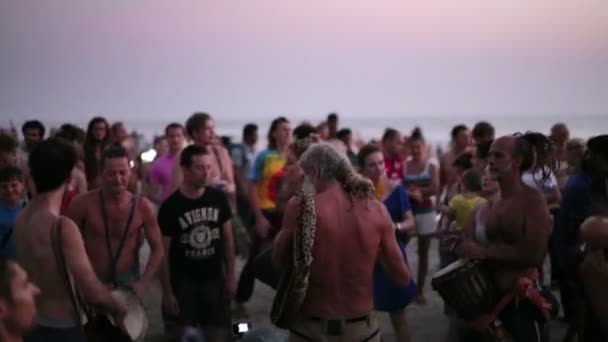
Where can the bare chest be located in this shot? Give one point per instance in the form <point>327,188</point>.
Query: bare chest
<point>113,221</point>
<point>505,221</point>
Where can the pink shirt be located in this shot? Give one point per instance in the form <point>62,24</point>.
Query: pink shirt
<point>160,173</point>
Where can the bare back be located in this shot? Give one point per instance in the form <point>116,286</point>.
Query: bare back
<point>351,235</point>
<point>35,253</point>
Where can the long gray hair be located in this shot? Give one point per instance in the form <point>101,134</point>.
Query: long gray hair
<point>333,165</point>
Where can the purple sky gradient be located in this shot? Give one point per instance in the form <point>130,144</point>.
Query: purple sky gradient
<point>261,58</point>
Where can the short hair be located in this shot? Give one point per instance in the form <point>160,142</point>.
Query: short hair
<point>364,152</point>
<point>482,150</point>
<point>472,180</point>
<point>9,173</point>
<point>71,133</point>
<point>389,133</point>
<point>598,145</point>
<point>463,161</point>
<point>8,143</point>
<point>189,152</point>
<point>416,135</point>
<point>6,273</point>
<point>33,124</point>
<point>303,131</point>
<point>249,129</point>
<point>575,144</point>
<point>51,163</point>
<point>197,121</point>
<point>343,133</point>
<point>113,151</point>
<point>483,129</point>
<point>457,129</point>
<point>274,125</point>
<point>173,125</point>
<point>332,117</point>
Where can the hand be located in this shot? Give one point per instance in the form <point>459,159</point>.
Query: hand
<point>262,226</point>
<point>472,250</point>
<point>415,194</point>
<point>140,288</point>
<point>170,305</point>
<point>230,287</point>
<point>118,316</point>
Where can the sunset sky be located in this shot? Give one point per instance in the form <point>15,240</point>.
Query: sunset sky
<point>153,59</point>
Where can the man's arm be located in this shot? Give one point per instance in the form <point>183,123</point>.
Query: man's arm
<point>390,255</point>
<point>85,279</point>
<point>229,257</point>
<point>282,242</point>
<point>530,249</point>
<point>165,272</point>
<point>153,235</point>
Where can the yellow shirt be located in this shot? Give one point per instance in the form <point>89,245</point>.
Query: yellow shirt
<point>463,207</point>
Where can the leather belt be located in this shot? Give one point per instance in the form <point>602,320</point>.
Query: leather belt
<point>351,320</point>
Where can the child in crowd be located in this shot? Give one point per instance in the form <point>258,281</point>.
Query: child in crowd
<point>12,201</point>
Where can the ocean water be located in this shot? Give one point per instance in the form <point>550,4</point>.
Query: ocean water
<point>436,129</point>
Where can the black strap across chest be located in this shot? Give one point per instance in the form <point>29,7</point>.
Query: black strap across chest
<point>114,257</point>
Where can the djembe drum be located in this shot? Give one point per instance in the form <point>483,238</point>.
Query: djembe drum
<point>466,286</point>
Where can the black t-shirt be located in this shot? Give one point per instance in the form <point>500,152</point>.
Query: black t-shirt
<point>195,226</point>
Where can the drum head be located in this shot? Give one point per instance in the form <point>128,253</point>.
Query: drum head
<point>135,320</point>
<point>451,267</point>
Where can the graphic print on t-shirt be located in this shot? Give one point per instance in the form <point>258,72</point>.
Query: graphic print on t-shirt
<point>200,227</point>
<point>195,227</point>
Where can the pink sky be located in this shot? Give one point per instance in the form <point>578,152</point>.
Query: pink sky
<point>261,58</point>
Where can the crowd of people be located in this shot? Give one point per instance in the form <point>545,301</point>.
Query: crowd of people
<point>334,216</point>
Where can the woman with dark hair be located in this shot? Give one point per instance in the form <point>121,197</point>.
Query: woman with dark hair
<point>388,296</point>
<point>96,140</point>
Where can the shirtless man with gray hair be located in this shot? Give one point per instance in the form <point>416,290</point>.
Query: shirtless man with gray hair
<point>517,228</point>
<point>352,231</point>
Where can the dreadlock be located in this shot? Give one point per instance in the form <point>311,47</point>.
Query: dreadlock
<point>537,152</point>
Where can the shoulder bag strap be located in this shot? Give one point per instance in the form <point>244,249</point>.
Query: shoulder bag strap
<point>57,246</point>
<point>114,258</point>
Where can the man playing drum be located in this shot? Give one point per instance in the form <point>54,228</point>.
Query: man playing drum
<point>51,164</point>
<point>517,230</point>
<point>111,220</point>
<point>198,279</point>
<point>353,230</point>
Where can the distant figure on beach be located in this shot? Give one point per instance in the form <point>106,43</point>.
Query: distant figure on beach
<point>98,137</point>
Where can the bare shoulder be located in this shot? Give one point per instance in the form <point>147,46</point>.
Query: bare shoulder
<point>534,198</point>
<point>146,206</point>
<point>87,198</point>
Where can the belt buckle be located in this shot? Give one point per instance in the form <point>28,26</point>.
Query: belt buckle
<point>334,327</point>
